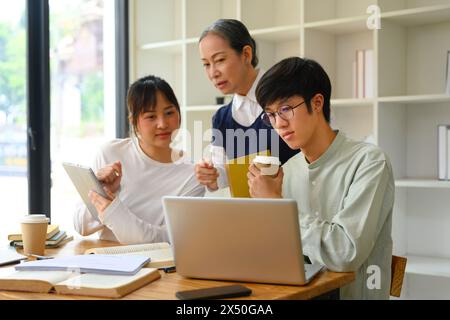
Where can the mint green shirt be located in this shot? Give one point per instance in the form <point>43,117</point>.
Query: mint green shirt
<point>345,200</point>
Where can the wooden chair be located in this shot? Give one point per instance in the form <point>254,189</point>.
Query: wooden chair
<point>398,267</point>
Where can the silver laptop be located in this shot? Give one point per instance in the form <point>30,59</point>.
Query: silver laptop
<point>250,240</point>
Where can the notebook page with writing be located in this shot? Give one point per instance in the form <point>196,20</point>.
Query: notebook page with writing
<point>160,254</point>
<point>129,248</point>
<point>158,258</point>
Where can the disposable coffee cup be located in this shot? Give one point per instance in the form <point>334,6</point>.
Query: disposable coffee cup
<point>34,232</point>
<point>268,166</point>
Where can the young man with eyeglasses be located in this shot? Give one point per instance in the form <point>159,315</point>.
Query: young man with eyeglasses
<point>344,188</point>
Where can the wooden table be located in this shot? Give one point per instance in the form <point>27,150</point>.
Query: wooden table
<point>170,283</point>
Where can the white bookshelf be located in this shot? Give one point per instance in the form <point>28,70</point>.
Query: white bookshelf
<point>419,99</point>
<point>205,108</point>
<point>402,116</point>
<point>421,265</point>
<point>422,183</point>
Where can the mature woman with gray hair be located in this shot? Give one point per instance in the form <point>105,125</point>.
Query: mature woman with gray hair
<point>229,56</point>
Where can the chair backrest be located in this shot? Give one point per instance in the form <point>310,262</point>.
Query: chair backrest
<point>398,267</point>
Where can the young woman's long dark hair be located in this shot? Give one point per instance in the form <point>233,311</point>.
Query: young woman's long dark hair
<point>141,97</point>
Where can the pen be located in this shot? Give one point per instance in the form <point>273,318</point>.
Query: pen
<point>170,269</point>
<point>39,257</point>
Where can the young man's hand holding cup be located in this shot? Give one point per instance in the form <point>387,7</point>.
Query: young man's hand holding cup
<point>265,177</point>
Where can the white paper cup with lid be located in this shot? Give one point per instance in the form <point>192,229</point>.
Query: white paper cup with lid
<point>268,166</point>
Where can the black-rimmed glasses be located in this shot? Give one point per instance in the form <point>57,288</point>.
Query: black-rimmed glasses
<point>284,112</point>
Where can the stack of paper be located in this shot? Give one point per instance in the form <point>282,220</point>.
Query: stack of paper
<point>99,264</point>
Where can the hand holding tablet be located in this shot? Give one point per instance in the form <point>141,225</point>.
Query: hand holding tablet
<point>84,181</point>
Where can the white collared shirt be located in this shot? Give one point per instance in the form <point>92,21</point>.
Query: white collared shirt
<point>244,109</point>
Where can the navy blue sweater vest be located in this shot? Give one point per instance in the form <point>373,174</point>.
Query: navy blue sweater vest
<point>238,140</point>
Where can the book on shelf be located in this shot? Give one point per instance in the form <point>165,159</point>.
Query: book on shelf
<point>54,242</point>
<point>447,153</point>
<point>363,74</point>
<point>444,152</point>
<point>368,74</point>
<point>160,254</point>
<point>52,229</point>
<point>447,89</point>
<point>237,170</point>
<point>66,282</point>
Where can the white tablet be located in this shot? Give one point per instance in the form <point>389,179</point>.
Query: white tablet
<point>84,180</point>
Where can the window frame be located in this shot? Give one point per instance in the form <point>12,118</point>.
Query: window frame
<point>38,97</point>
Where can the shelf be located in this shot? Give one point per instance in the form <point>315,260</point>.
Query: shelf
<point>340,26</point>
<point>418,16</point>
<point>203,108</point>
<point>422,183</point>
<point>277,34</point>
<point>439,267</point>
<point>155,21</point>
<point>352,103</point>
<point>334,103</point>
<point>174,46</point>
<point>419,99</point>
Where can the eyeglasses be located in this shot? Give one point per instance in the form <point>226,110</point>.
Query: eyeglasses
<point>284,112</point>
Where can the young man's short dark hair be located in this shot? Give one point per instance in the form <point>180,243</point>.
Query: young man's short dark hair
<point>295,77</point>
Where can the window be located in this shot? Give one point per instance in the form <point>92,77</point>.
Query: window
<point>82,116</point>
<point>13,115</point>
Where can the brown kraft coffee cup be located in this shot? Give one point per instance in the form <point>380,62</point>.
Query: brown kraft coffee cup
<point>34,232</point>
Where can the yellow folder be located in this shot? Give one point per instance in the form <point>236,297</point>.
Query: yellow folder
<point>237,170</point>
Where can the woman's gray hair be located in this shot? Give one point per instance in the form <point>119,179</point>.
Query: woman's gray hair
<point>235,33</point>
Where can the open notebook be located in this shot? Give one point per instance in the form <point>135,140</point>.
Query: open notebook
<point>64,282</point>
<point>160,253</point>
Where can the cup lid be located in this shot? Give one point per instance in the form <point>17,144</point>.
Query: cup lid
<point>35,218</point>
<point>267,160</point>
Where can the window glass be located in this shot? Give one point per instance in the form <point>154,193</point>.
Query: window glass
<point>13,116</point>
